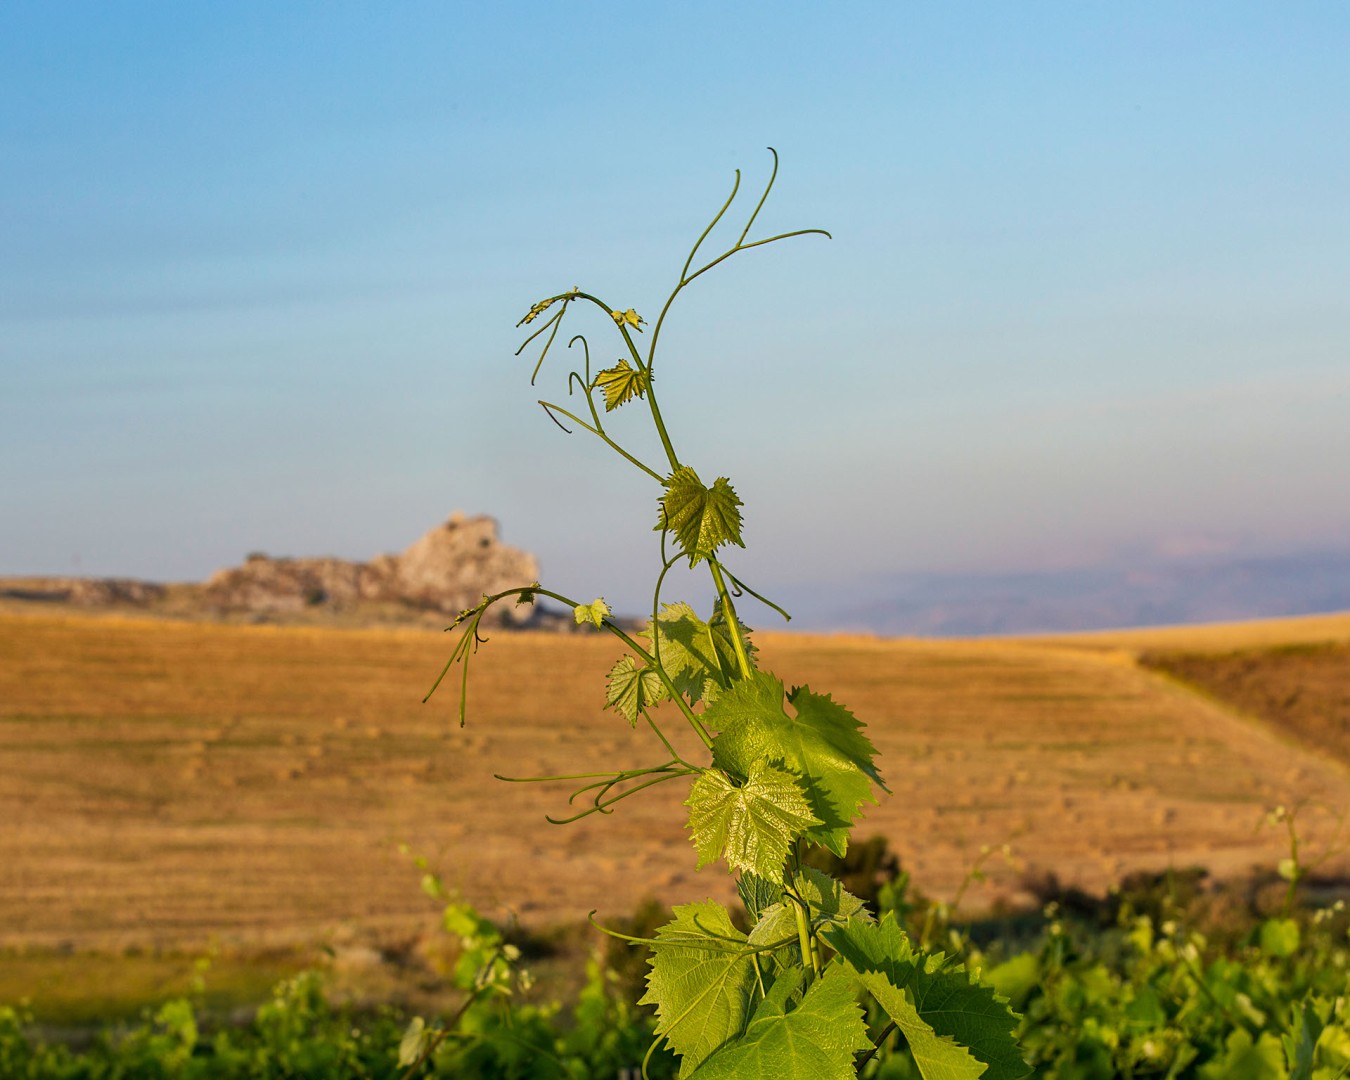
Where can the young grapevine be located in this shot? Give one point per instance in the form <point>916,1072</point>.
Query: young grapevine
<point>783,769</point>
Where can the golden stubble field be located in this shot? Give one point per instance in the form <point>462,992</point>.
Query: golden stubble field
<point>164,783</point>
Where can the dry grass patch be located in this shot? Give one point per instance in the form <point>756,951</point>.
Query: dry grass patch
<point>164,783</point>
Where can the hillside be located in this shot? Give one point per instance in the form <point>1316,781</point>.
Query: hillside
<point>163,782</point>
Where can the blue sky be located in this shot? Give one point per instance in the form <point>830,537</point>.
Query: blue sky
<point>1088,296</point>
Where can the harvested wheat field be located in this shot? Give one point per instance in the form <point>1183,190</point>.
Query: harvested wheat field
<point>163,783</point>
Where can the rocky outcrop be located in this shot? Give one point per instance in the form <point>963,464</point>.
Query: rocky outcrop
<point>447,570</point>
<point>440,574</point>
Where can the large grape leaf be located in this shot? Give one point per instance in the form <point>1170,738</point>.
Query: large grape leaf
<point>822,743</point>
<point>621,384</point>
<point>1245,1058</point>
<point>752,824</point>
<point>957,1029</point>
<point>698,656</point>
<point>814,1041</point>
<point>631,689</point>
<point>700,981</point>
<point>939,1057</point>
<point>702,518</point>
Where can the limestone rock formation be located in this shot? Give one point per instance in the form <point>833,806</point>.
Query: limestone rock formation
<point>442,573</point>
<point>447,570</point>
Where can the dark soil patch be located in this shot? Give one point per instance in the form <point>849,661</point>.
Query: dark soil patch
<point>1301,689</point>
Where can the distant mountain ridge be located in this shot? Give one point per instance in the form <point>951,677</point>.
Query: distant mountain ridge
<point>1157,593</point>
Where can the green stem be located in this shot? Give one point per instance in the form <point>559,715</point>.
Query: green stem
<point>804,937</point>
<point>626,774</point>
<point>664,741</point>
<point>870,1054</point>
<point>738,946</point>
<point>754,244</point>
<point>802,912</point>
<point>1296,871</point>
<point>652,404</point>
<point>587,389</point>
<point>676,696</point>
<point>660,319</point>
<point>661,427</point>
<point>602,805</point>
<point>551,408</point>
<point>431,1046</point>
<point>461,652</point>
<point>642,366</point>
<point>1198,978</point>
<point>729,613</point>
<point>759,205</point>
<point>743,587</point>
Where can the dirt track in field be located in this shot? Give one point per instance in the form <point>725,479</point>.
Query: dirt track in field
<point>161,783</point>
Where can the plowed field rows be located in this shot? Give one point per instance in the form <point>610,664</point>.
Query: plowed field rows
<point>164,782</point>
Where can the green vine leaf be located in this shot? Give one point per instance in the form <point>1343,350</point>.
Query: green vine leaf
<point>757,894</point>
<point>628,318</point>
<point>594,613</point>
<point>814,1041</point>
<point>938,1057</point>
<point>702,518</point>
<point>413,1043</point>
<point>701,981</point>
<point>752,825</point>
<point>1300,1048</point>
<point>621,384</point>
<point>536,310</point>
<point>631,689</point>
<point>1247,1058</point>
<point>957,1029</point>
<point>823,744</point>
<point>698,656</point>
